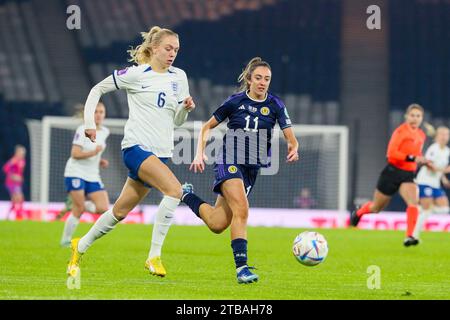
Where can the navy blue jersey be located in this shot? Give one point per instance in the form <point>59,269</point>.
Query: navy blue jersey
<point>248,138</point>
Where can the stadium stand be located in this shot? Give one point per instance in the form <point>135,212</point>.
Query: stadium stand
<point>305,63</point>
<point>27,87</point>
<point>303,50</point>
<point>419,51</point>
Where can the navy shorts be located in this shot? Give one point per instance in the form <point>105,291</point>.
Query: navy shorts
<point>133,158</point>
<point>430,192</point>
<point>75,184</point>
<point>225,172</point>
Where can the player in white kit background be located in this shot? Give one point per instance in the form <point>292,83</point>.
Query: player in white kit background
<point>82,175</point>
<point>433,198</point>
<point>158,100</point>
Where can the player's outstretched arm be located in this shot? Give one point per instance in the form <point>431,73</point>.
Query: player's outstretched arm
<point>292,145</point>
<point>78,153</point>
<point>200,157</point>
<point>105,86</point>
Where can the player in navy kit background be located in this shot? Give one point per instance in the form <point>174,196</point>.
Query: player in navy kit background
<point>252,114</point>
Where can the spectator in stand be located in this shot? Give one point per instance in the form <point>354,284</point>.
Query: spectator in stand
<point>304,200</point>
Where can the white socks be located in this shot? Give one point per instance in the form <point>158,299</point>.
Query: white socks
<point>423,216</point>
<point>89,206</point>
<point>69,228</point>
<point>102,226</point>
<point>163,220</point>
<point>440,210</point>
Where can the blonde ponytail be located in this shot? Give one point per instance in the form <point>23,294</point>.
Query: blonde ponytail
<point>143,52</point>
<point>246,74</point>
<point>430,130</point>
<point>79,111</point>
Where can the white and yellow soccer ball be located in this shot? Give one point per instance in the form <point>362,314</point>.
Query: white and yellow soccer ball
<point>310,248</point>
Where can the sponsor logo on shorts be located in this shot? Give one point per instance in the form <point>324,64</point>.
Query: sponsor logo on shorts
<point>232,169</point>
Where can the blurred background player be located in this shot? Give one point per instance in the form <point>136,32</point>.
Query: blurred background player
<point>14,169</point>
<point>158,99</point>
<point>404,153</point>
<point>433,198</point>
<point>253,110</point>
<point>82,175</point>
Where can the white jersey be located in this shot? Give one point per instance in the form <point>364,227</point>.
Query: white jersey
<point>155,102</point>
<point>89,168</point>
<point>440,158</point>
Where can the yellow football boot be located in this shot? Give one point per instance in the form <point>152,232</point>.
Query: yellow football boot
<point>75,258</point>
<point>155,266</point>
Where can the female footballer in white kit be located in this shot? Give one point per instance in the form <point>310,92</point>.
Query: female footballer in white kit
<point>82,175</point>
<point>158,99</point>
<point>433,198</point>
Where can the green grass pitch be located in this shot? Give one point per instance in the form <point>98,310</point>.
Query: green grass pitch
<point>200,265</point>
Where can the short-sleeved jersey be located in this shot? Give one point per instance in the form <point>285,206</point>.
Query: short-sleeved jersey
<point>153,99</point>
<point>440,158</point>
<point>89,168</point>
<point>14,167</point>
<point>250,125</point>
<point>405,141</point>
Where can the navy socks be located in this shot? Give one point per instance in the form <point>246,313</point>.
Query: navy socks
<point>239,252</point>
<point>193,201</point>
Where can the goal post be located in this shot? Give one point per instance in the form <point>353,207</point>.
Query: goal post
<point>322,169</point>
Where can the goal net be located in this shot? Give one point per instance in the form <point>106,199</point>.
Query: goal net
<point>317,181</point>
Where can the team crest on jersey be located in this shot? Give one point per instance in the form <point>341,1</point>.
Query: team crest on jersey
<point>232,169</point>
<point>174,87</point>
<point>121,72</point>
<point>265,111</point>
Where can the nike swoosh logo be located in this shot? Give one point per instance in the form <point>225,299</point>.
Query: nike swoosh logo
<point>145,87</point>
<point>168,217</point>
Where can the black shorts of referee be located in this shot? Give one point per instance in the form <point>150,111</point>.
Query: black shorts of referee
<point>392,177</point>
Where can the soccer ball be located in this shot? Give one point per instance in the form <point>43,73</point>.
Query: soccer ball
<point>310,248</point>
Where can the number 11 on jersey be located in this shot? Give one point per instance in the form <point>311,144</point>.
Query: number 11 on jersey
<point>247,125</point>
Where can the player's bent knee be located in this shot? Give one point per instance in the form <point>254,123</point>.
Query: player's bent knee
<point>78,209</point>
<point>240,214</point>
<point>174,192</point>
